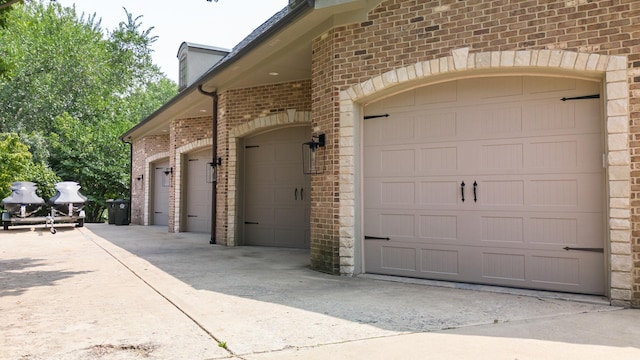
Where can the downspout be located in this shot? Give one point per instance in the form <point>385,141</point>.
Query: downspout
<point>215,162</point>
<point>130,173</point>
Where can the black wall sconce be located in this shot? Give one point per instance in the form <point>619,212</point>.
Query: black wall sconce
<point>138,184</point>
<point>212,174</point>
<point>311,163</point>
<point>166,180</point>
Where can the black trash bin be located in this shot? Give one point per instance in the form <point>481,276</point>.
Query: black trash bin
<point>121,211</point>
<point>111,209</point>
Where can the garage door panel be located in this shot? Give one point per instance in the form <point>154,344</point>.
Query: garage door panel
<point>260,214</point>
<point>397,162</point>
<point>573,193</point>
<point>287,152</point>
<point>533,230</point>
<point>537,155</point>
<point>285,194</point>
<point>555,192</point>
<point>501,193</point>
<point>550,116</point>
<point>556,270</point>
<point>419,227</point>
<point>397,225</point>
<point>287,215</point>
<point>557,230</point>
<point>418,193</point>
<point>534,183</point>
<point>500,121</point>
<point>397,193</point>
<point>405,129</point>
<point>398,258</point>
<point>502,229</point>
<point>558,155</point>
<point>261,174</point>
<point>289,173</point>
<point>260,154</point>
<point>443,93</point>
<point>440,193</point>
<point>537,85</point>
<point>262,194</point>
<point>439,261</point>
<point>503,266</point>
<point>502,156</point>
<point>492,88</point>
<point>438,160</point>
<point>438,125</point>
<point>438,227</point>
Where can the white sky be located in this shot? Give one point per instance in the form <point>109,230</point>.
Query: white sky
<point>223,24</point>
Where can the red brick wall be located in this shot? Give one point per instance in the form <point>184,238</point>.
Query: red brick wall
<point>143,149</point>
<point>325,205</point>
<point>399,33</point>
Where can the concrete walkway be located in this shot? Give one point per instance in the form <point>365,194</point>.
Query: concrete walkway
<point>128,292</point>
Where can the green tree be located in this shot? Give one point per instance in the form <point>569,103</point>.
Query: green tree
<point>16,165</point>
<point>55,64</point>
<point>85,154</point>
<point>71,89</point>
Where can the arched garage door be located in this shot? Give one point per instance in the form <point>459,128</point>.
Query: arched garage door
<point>198,191</point>
<point>160,200</point>
<point>277,194</point>
<point>489,180</point>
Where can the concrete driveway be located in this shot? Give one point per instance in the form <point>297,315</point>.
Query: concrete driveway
<point>126,292</point>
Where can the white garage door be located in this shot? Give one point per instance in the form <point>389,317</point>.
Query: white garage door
<point>199,190</point>
<point>276,191</point>
<point>492,180</point>
<point>160,200</point>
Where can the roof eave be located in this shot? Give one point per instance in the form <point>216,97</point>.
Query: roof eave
<point>293,14</point>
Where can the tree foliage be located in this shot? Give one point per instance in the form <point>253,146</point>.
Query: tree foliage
<point>71,88</point>
<point>16,165</point>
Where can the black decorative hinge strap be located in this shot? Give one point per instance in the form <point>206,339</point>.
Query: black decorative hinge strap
<point>366,237</point>
<point>594,96</point>
<point>367,117</point>
<point>600,250</point>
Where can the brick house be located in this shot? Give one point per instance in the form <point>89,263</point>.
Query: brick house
<point>483,141</point>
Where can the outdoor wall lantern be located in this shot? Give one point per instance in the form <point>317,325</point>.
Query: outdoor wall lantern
<point>311,163</point>
<point>166,180</point>
<point>139,181</point>
<point>212,174</point>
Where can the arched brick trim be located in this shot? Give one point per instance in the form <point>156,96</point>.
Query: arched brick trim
<point>462,63</point>
<point>147,182</point>
<point>290,117</point>
<point>177,176</point>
